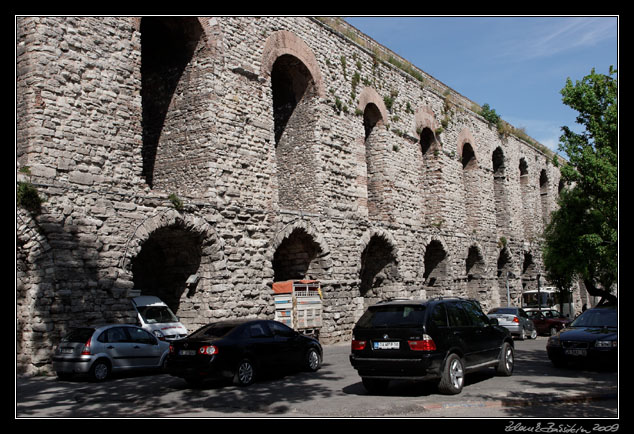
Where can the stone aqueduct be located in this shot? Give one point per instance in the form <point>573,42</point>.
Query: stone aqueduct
<point>246,151</point>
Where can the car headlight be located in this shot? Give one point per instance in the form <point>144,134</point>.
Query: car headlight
<point>553,341</point>
<point>605,344</point>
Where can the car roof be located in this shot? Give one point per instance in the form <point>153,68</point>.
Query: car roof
<point>409,302</point>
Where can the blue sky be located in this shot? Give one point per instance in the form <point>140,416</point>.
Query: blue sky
<point>517,65</point>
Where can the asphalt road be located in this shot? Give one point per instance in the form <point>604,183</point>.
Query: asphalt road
<point>536,389</point>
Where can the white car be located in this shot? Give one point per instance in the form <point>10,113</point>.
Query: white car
<point>515,320</point>
<point>157,318</point>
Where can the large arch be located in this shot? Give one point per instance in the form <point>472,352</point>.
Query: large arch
<point>299,251</point>
<point>166,250</point>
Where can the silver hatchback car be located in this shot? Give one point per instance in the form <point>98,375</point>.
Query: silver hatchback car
<point>98,351</point>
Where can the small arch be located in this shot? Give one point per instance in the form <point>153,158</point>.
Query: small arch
<point>466,149</point>
<point>370,96</point>
<point>379,266</point>
<point>425,124</point>
<point>435,263</point>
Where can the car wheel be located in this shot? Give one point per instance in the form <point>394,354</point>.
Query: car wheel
<point>522,334</point>
<point>506,361</point>
<point>452,378</point>
<point>533,334</point>
<point>100,370</point>
<point>375,385</point>
<point>313,360</point>
<point>245,373</point>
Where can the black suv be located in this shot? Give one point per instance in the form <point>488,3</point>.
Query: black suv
<point>438,339</point>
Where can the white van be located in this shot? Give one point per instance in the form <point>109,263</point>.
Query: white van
<point>155,317</point>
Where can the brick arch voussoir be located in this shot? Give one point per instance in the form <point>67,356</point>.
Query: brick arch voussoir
<point>284,42</point>
<point>370,96</point>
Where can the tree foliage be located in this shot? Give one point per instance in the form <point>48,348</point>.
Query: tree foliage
<point>581,238</point>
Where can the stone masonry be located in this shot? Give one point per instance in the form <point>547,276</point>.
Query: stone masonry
<point>250,150</point>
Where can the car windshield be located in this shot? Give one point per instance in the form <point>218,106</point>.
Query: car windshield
<point>80,335</point>
<point>597,318</point>
<point>392,316</point>
<point>157,314</point>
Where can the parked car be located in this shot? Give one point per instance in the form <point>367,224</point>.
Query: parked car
<point>515,320</point>
<point>156,317</point>
<point>548,321</point>
<point>591,337</point>
<point>241,349</point>
<point>438,339</point>
<point>98,351</point>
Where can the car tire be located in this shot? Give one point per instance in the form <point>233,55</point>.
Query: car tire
<point>522,335</point>
<point>533,334</point>
<point>506,360</point>
<point>100,370</point>
<point>245,373</point>
<point>312,360</point>
<point>452,377</point>
<point>375,385</point>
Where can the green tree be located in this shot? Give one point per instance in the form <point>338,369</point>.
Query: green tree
<point>581,240</point>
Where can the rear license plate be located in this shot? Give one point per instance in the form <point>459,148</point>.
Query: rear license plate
<point>67,351</point>
<point>575,352</point>
<point>187,352</point>
<point>386,345</point>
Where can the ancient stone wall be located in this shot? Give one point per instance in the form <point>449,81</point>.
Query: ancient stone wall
<point>247,150</point>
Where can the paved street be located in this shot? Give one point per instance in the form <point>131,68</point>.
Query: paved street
<point>536,389</point>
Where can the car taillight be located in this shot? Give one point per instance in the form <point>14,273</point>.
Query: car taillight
<point>208,350</point>
<point>172,349</point>
<point>357,345</point>
<point>86,350</point>
<point>424,344</point>
<point>516,319</point>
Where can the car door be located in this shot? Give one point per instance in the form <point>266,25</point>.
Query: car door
<point>146,351</point>
<point>116,344</point>
<point>261,344</point>
<point>486,341</point>
<point>462,331</point>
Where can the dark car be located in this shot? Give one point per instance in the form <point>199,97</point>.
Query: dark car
<point>514,319</point>
<point>592,337</point>
<point>548,321</point>
<point>438,339</point>
<point>98,351</point>
<point>240,350</point>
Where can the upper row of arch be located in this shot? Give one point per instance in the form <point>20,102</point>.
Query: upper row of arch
<point>284,42</point>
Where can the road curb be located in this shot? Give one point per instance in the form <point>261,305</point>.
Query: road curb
<point>524,402</point>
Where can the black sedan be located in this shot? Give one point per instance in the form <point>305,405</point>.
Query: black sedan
<point>241,349</point>
<point>592,337</point>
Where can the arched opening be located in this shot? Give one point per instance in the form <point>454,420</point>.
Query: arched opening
<point>299,257</point>
<point>470,185</point>
<point>474,270</point>
<point>374,160</point>
<point>428,142</point>
<point>543,193</point>
<point>167,259</point>
<point>168,45</point>
<point>505,275</point>
<point>379,269</point>
<point>525,195</point>
<point>529,276</point>
<point>294,116</point>
<point>502,211</point>
<point>435,263</point>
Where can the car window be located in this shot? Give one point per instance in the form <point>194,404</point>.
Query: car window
<point>457,316</point>
<point>476,317</point>
<point>280,329</point>
<point>393,316</point>
<point>114,335</point>
<point>141,336</point>
<point>597,318</point>
<point>439,316</point>
<point>80,335</point>
<point>259,330</point>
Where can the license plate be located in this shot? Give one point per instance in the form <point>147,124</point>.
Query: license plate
<point>386,345</point>
<point>187,352</point>
<point>67,351</point>
<point>575,352</point>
